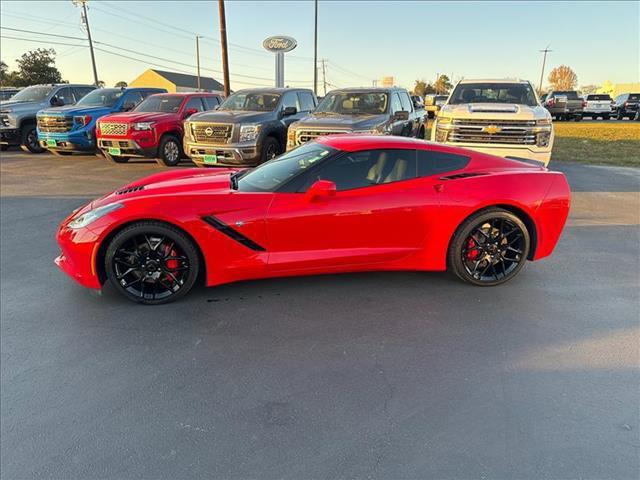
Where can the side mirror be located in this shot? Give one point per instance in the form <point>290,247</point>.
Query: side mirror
<point>128,106</point>
<point>188,112</point>
<point>401,115</point>
<point>57,101</point>
<point>287,111</point>
<point>321,189</point>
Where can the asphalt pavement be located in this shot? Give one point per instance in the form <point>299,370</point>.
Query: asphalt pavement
<point>376,375</point>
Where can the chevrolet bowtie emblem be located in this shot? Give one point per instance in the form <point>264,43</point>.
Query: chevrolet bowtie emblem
<point>491,129</point>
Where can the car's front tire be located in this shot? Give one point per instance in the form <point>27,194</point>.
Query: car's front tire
<point>29,140</point>
<point>169,151</point>
<point>270,149</point>
<point>152,263</point>
<point>489,248</point>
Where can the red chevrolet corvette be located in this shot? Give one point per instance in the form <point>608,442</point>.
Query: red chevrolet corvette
<point>340,204</point>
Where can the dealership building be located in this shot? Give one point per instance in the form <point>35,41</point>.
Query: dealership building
<point>176,82</point>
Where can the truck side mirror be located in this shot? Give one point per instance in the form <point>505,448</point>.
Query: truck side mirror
<point>401,115</point>
<point>128,106</point>
<point>57,101</point>
<point>189,111</point>
<point>288,111</point>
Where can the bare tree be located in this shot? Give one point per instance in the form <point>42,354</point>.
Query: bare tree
<point>563,78</point>
<point>420,88</point>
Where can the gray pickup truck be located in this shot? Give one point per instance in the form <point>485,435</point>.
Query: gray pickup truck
<point>374,111</point>
<point>564,105</point>
<point>249,128</point>
<point>18,115</point>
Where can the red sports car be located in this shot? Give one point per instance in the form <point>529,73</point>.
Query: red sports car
<point>343,203</point>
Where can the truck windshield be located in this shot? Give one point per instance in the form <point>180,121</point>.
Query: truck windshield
<point>269,176</point>
<point>354,103</point>
<point>518,93</point>
<point>32,94</point>
<point>253,102</point>
<point>103,97</point>
<point>161,103</point>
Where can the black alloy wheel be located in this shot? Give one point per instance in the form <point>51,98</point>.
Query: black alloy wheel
<point>270,149</point>
<point>489,248</point>
<point>30,140</point>
<point>152,263</point>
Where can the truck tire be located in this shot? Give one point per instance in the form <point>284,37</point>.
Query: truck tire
<point>620,116</point>
<point>114,159</point>
<point>169,151</point>
<point>29,139</point>
<point>605,117</point>
<point>270,149</point>
<point>577,118</point>
<point>4,148</point>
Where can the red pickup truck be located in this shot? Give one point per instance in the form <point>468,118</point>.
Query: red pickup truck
<point>153,129</point>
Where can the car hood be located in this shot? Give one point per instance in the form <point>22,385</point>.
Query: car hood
<point>232,116</point>
<point>134,117</point>
<point>191,180</point>
<point>341,122</point>
<point>70,110</point>
<point>20,106</point>
<point>510,111</point>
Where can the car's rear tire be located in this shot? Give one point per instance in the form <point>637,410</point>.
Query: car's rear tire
<point>152,263</point>
<point>270,149</point>
<point>29,140</point>
<point>115,159</point>
<point>489,248</point>
<point>169,151</point>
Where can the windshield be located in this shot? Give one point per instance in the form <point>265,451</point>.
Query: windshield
<point>519,93</point>
<point>32,94</point>
<point>354,103</point>
<point>253,102</point>
<point>103,97</point>
<point>271,175</point>
<point>161,103</point>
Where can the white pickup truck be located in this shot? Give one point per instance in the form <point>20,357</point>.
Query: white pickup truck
<point>499,117</point>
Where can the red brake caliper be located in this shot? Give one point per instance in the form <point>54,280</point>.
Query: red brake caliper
<point>472,252</point>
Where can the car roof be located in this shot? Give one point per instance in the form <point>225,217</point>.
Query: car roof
<point>189,94</point>
<point>365,89</point>
<point>273,90</point>
<point>494,80</point>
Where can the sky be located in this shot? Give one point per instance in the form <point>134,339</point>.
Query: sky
<point>361,41</point>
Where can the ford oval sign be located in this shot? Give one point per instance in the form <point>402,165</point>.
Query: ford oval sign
<point>279,44</point>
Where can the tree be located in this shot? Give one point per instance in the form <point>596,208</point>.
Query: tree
<point>101,84</point>
<point>430,89</point>
<point>7,78</point>
<point>443,84</point>
<point>4,70</point>
<point>419,88</point>
<point>37,66</point>
<point>121,84</point>
<point>563,78</point>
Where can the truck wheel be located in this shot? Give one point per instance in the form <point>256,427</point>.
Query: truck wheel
<point>605,117</point>
<point>4,148</point>
<point>270,149</point>
<point>577,118</point>
<point>420,133</point>
<point>29,140</point>
<point>169,151</point>
<point>620,116</point>
<point>114,159</point>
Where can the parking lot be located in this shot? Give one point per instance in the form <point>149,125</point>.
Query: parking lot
<point>383,375</point>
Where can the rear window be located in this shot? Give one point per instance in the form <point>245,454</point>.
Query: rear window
<point>569,95</point>
<point>431,162</point>
<point>598,97</point>
<point>634,97</point>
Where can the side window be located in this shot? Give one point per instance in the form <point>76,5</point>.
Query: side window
<point>396,105</point>
<point>211,102</point>
<point>306,101</point>
<point>431,162</point>
<point>406,102</point>
<point>132,97</point>
<point>196,103</point>
<point>367,168</point>
<point>65,95</point>
<point>290,99</point>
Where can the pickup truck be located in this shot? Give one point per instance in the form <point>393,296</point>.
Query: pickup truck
<point>154,129</point>
<point>374,111</point>
<point>249,128</point>
<point>18,115</point>
<point>564,105</point>
<point>626,105</point>
<point>498,117</point>
<point>598,105</point>
<point>72,128</point>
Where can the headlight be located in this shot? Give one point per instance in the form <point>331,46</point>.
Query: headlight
<point>93,215</point>
<point>82,120</point>
<point>291,137</point>
<point>249,132</point>
<point>143,125</point>
<point>543,121</point>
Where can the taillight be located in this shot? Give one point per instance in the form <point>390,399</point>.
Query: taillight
<point>552,102</point>
<point>626,104</point>
<point>584,104</point>
<point>82,120</point>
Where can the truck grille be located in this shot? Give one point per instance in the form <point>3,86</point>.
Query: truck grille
<point>519,132</point>
<point>212,133</point>
<point>304,136</point>
<point>113,128</point>
<point>55,124</point>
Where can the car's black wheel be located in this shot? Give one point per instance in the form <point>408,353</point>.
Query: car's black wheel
<point>4,148</point>
<point>29,140</point>
<point>620,116</point>
<point>577,118</point>
<point>152,262</point>
<point>115,159</point>
<point>169,151</point>
<point>489,248</point>
<point>605,117</point>
<point>270,149</point>
<point>421,133</point>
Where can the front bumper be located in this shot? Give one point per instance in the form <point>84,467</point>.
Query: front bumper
<point>79,249</point>
<point>246,154</point>
<point>68,142</point>
<point>9,136</point>
<point>128,147</point>
<point>538,154</point>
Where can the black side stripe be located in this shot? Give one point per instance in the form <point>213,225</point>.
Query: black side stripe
<point>233,234</point>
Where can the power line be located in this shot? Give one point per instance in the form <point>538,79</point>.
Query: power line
<point>41,33</point>
<point>39,40</point>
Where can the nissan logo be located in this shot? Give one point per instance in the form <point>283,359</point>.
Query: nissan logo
<point>208,131</point>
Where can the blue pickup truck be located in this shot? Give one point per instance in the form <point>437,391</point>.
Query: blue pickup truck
<point>72,128</point>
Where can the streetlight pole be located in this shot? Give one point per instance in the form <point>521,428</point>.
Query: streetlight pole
<point>544,61</point>
<point>198,58</point>
<point>315,50</point>
<point>85,19</point>
<point>223,42</point>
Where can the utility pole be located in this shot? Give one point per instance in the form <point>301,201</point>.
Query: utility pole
<point>198,58</point>
<point>223,41</point>
<point>374,83</point>
<point>544,61</point>
<point>315,50</point>
<point>324,76</point>
<point>85,20</point>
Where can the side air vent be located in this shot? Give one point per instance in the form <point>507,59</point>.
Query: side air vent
<point>462,175</point>
<point>130,190</point>
<point>233,234</point>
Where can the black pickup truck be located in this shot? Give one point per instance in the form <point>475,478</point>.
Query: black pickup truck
<point>373,111</point>
<point>249,128</point>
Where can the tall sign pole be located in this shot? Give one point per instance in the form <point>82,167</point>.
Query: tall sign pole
<point>544,61</point>
<point>223,42</point>
<point>198,58</point>
<point>85,20</point>
<point>279,44</point>
<point>315,50</point>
